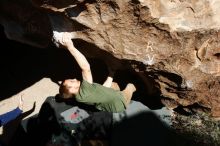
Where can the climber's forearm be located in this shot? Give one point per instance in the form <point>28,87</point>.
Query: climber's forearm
<point>108,82</point>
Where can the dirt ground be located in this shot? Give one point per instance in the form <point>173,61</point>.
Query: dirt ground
<point>38,92</point>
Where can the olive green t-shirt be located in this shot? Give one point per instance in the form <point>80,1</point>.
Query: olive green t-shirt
<point>103,98</point>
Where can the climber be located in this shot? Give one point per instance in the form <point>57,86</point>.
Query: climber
<point>103,97</point>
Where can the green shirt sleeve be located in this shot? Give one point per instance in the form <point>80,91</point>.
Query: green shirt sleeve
<point>86,92</point>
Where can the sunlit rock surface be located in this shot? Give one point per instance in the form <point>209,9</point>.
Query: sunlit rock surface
<point>176,43</point>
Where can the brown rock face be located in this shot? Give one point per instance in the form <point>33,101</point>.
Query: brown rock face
<point>25,23</point>
<point>175,42</point>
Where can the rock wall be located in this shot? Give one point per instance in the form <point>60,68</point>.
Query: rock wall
<point>174,42</point>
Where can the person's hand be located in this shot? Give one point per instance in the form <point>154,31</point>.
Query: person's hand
<point>66,40</point>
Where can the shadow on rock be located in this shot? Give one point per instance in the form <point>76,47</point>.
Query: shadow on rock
<point>143,129</point>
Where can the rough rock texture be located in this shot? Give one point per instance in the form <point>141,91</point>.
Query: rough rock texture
<point>25,23</point>
<point>174,42</point>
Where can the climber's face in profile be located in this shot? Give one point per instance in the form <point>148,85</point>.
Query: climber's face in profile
<point>69,88</point>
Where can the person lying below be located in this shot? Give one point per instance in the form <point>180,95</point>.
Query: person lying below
<point>103,97</point>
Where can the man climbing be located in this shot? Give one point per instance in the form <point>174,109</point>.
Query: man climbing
<point>103,97</point>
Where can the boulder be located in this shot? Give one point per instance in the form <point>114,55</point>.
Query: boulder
<point>173,42</point>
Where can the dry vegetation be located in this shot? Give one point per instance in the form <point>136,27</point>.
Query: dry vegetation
<point>198,129</point>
